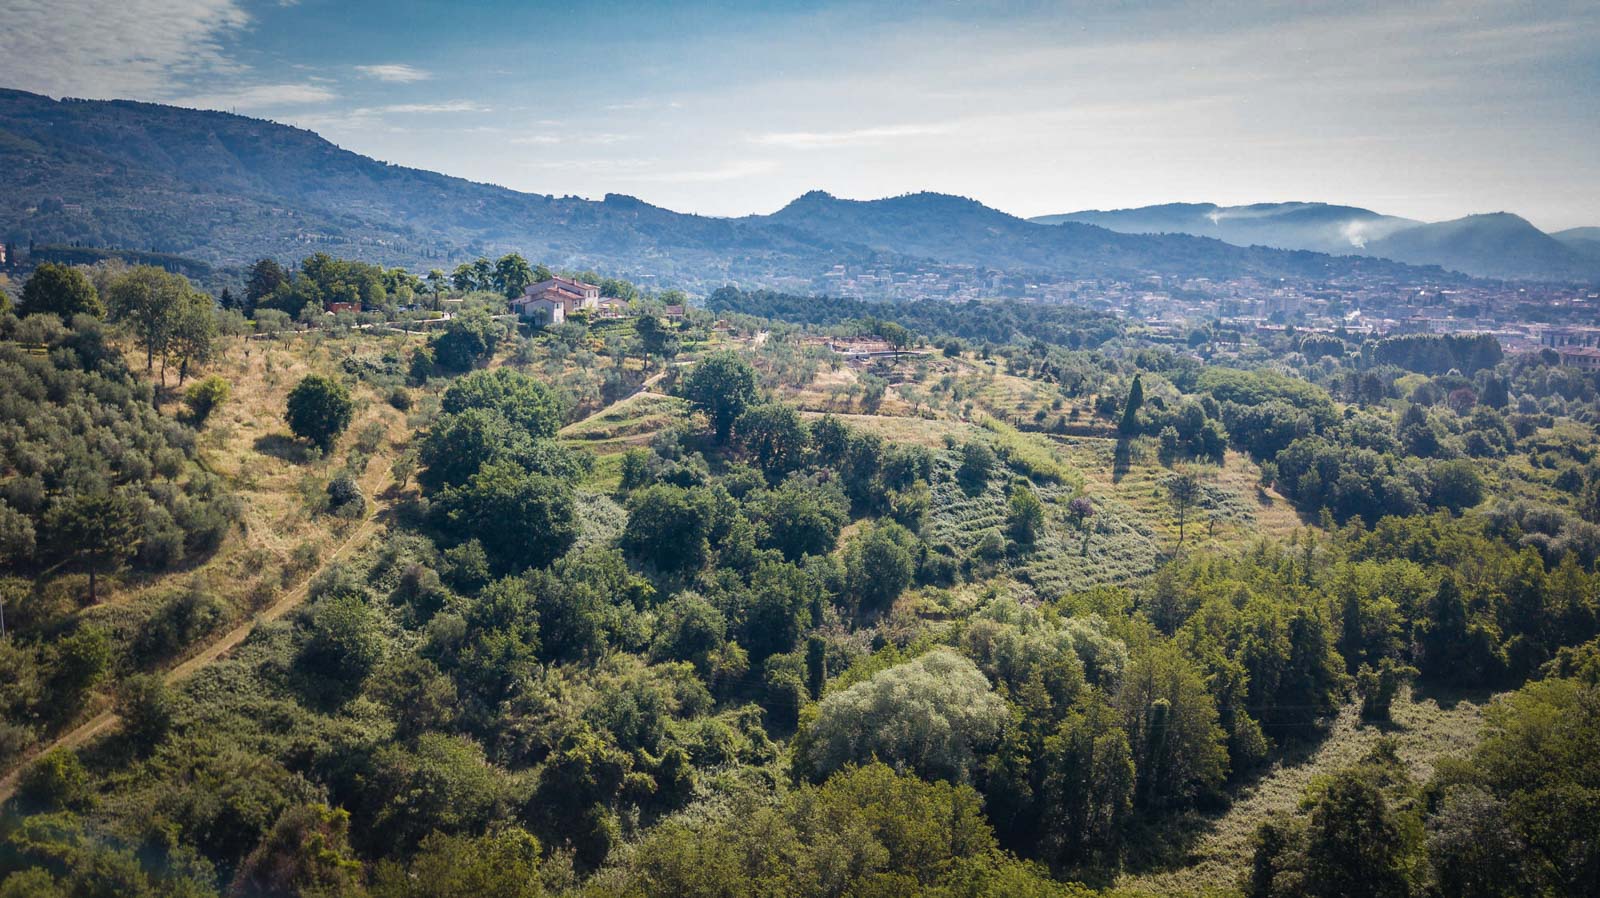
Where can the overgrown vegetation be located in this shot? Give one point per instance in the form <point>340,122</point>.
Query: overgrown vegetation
<point>616,642</point>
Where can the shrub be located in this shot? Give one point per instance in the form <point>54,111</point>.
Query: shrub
<point>55,780</point>
<point>145,706</point>
<point>203,397</point>
<point>371,437</point>
<point>345,497</point>
<point>344,644</point>
<point>271,321</point>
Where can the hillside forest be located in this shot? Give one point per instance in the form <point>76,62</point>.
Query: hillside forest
<point>778,595</point>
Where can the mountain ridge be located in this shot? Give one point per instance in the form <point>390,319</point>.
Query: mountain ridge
<point>1493,244</point>
<point>225,189</point>
<point>1477,245</point>
<point>1315,226</point>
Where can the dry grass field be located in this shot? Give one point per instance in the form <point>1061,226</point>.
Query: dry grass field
<point>262,569</point>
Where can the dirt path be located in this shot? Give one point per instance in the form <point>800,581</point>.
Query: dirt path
<point>83,733</point>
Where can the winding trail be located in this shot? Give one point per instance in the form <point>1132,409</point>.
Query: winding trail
<point>83,733</point>
<point>86,731</point>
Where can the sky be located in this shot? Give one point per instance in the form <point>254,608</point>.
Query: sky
<point>1430,110</point>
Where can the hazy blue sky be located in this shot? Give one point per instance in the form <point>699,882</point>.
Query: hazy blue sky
<point>1432,110</point>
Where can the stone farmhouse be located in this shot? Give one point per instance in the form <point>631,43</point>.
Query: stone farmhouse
<point>553,300</point>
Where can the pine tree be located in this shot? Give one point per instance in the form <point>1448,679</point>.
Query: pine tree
<point>97,533</point>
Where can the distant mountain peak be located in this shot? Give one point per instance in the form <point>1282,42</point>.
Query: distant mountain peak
<point>1488,244</point>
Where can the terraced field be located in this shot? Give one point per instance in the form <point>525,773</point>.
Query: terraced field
<point>626,424</point>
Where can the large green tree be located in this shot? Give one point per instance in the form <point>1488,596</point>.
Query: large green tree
<point>775,434</point>
<point>880,564</point>
<point>266,276</point>
<point>146,299</point>
<point>1130,408</point>
<point>1171,720</point>
<point>60,290</point>
<point>522,519</point>
<point>467,341</point>
<point>722,385</point>
<point>167,315</point>
<point>1354,847</point>
<point>668,527</point>
<point>800,517</point>
<point>525,403</point>
<point>97,533</point>
<point>511,274</point>
<point>194,334</point>
<point>931,715</point>
<point>319,410</point>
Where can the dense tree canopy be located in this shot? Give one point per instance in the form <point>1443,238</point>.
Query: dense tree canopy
<point>59,290</point>
<point>809,649</point>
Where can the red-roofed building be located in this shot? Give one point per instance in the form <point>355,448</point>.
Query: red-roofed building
<point>555,299</point>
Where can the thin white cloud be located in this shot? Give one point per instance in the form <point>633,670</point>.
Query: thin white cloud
<point>116,48</point>
<point>260,96</point>
<point>813,140</point>
<point>427,108</point>
<point>641,104</point>
<point>396,72</point>
<point>592,139</point>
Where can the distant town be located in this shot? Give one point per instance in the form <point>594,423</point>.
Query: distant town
<point>1523,316</point>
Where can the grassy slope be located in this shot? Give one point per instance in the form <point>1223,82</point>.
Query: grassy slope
<point>1133,530</point>
<point>1426,728</point>
<point>262,571</point>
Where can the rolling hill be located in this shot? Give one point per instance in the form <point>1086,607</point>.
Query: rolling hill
<point>227,189</point>
<point>1312,226</point>
<point>1500,245</point>
<point>1584,241</point>
<point>1497,245</point>
<point>964,231</point>
<point>224,189</point>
